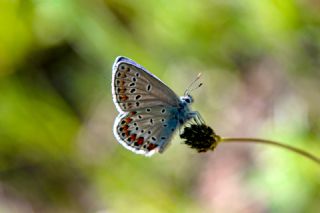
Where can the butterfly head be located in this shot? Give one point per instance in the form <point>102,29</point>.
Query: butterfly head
<point>187,99</point>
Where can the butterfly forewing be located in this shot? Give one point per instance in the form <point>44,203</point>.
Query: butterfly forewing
<point>135,88</point>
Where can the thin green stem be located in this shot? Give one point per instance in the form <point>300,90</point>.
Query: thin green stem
<point>263,141</point>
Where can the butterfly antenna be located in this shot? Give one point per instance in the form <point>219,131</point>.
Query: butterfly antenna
<point>199,85</point>
<point>188,90</point>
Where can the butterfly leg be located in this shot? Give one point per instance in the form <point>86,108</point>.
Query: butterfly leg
<point>197,117</point>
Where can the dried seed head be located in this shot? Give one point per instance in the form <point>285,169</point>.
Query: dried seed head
<point>200,137</point>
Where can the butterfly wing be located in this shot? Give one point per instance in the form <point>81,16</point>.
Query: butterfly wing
<point>133,87</point>
<point>148,108</point>
<point>146,131</point>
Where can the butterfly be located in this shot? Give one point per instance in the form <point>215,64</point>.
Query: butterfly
<point>149,111</point>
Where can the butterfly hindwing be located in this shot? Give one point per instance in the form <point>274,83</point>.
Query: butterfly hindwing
<point>146,131</point>
<point>133,87</point>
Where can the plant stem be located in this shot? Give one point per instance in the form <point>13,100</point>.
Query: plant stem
<point>290,148</point>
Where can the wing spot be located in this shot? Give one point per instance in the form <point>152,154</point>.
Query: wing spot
<point>135,124</point>
<point>122,67</point>
<point>137,104</point>
<point>137,128</point>
<point>123,97</point>
<point>162,138</point>
<point>133,137</point>
<point>128,120</point>
<point>142,131</point>
<point>151,120</point>
<point>118,74</point>
<point>133,90</point>
<point>151,146</point>
<point>134,79</point>
<point>137,74</point>
<point>163,111</point>
<point>138,97</point>
<point>132,84</point>
<point>140,140</point>
<point>153,138</point>
<point>172,130</point>
<point>148,110</point>
<point>149,132</point>
<point>149,87</point>
<point>139,116</point>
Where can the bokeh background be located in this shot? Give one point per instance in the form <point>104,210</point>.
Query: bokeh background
<point>260,63</point>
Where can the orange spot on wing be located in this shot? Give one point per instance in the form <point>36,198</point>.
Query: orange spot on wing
<point>128,120</point>
<point>125,127</point>
<point>151,146</point>
<point>133,137</point>
<point>123,97</point>
<point>140,140</point>
<point>121,90</point>
<point>123,74</point>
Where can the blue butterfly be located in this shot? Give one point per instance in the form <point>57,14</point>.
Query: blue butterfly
<point>150,111</point>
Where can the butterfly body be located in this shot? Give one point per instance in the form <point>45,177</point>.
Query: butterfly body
<point>149,111</point>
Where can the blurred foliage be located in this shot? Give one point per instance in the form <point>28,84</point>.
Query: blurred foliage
<point>261,63</point>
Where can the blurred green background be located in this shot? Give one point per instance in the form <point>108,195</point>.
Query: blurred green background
<point>260,63</point>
